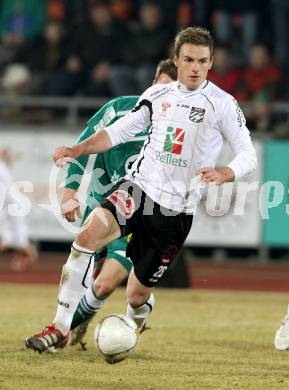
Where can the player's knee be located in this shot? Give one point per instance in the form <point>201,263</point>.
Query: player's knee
<point>103,287</point>
<point>87,239</point>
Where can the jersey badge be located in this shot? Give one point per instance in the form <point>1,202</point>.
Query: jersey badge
<point>197,114</point>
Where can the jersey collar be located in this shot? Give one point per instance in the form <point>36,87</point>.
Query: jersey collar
<point>185,91</point>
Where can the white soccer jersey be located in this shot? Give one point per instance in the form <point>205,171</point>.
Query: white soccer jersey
<point>187,133</point>
<point>13,229</point>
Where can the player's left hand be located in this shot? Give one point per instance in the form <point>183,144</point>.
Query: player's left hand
<point>216,175</point>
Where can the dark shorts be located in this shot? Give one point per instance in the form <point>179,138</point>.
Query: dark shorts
<point>157,233</point>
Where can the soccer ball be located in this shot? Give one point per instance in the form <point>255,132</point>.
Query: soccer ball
<point>116,337</point>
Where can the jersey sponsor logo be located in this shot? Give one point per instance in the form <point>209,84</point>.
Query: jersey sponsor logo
<point>123,202</point>
<point>174,140</point>
<point>197,114</point>
<point>168,158</point>
<point>173,145</point>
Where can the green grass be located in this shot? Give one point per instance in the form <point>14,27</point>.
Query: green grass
<point>199,340</point>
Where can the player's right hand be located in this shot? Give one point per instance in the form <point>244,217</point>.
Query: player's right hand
<point>63,155</point>
<point>70,206</point>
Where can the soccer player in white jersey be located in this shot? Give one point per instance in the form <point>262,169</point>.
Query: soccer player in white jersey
<point>13,229</point>
<point>112,266</point>
<point>189,120</point>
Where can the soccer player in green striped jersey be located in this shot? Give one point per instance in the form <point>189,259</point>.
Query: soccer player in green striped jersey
<point>108,168</point>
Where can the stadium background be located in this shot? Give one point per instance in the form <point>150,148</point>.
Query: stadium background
<point>61,60</point>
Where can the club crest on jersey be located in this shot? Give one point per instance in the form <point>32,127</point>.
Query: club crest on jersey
<point>197,114</point>
<point>123,202</point>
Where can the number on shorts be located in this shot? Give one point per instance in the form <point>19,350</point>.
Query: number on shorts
<point>162,269</point>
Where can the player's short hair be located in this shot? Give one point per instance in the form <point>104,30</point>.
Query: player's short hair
<point>198,36</point>
<point>168,67</point>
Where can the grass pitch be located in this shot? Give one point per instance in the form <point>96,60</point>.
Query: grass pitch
<point>199,340</point>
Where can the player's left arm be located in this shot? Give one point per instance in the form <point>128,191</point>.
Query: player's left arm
<point>235,131</point>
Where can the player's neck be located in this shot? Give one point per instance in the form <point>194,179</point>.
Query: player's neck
<point>184,89</point>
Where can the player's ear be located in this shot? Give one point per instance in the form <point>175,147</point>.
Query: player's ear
<point>211,63</point>
<point>176,60</point>
<point>211,60</point>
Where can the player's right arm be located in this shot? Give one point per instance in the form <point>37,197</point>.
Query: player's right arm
<point>97,143</point>
<point>119,132</point>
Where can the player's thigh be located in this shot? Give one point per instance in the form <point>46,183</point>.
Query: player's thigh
<point>154,248</point>
<point>100,228</point>
<point>112,274</point>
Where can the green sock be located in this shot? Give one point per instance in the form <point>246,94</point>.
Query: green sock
<point>88,306</point>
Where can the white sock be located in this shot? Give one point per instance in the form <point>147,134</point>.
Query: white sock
<point>92,299</point>
<point>140,314</point>
<point>75,279</point>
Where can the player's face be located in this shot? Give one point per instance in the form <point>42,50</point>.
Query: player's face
<point>193,64</point>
